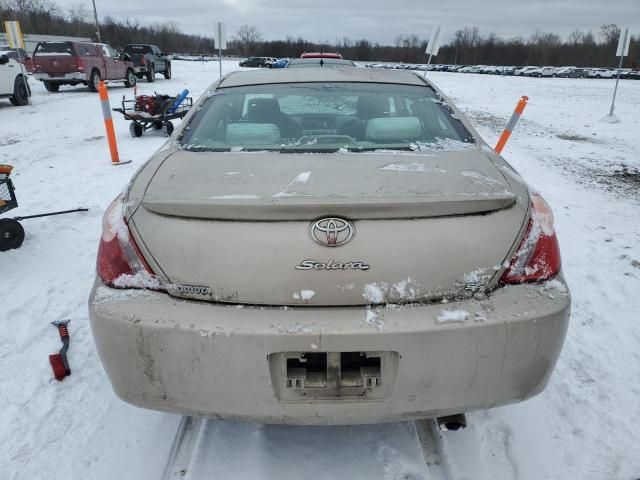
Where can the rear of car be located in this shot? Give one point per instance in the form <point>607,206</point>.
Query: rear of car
<point>327,246</point>
<point>65,63</point>
<point>333,55</point>
<point>320,62</point>
<point>148,60</point>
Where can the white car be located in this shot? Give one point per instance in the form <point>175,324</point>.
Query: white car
<point>600,73</point>
<point>524,71</point>
<point>13,81</point>
<point>544,72</point>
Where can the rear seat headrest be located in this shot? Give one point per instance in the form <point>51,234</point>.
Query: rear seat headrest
<point>241,134</point>
<point>393,128</point>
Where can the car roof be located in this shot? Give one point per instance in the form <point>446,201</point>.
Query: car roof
<point>320,74</point>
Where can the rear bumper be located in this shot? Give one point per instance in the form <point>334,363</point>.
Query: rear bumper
<point>76,77</point>
<point>140,68</point>
<point>206,359</point>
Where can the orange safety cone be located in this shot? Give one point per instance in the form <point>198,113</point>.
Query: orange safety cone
<point>108,124</point>
<point>512,123</point>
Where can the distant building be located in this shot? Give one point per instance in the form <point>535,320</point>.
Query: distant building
<point>32,40</point>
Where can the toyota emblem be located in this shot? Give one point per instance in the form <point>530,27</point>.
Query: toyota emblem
<point>332,232</point>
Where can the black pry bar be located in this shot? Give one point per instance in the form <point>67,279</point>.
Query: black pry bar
<point>51,214</point>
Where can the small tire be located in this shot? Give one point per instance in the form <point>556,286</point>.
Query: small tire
<point>130,79</point>
<point>167,72</point>
<point>151,74</point>
<point>135,130</point>
<point>168,128</point>
<point>94,80</point>
<point>51,87</point>
<point>20,92</point>
<point>11,234</point>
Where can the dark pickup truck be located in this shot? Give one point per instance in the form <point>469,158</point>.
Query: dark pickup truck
<point>73,63</point>
<point>148,60</point>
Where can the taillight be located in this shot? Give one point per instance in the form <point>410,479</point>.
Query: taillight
<point>120,263</point>
<point>143,60</point>
<point>538,257</point>
<point>79,63</point>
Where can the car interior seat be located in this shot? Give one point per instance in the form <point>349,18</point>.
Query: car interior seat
<point>267,110</point>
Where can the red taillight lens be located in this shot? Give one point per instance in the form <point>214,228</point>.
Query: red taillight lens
<point>538,257</point>
<point>143,60</point>
<point>79,63</point>
<point>120,263</point>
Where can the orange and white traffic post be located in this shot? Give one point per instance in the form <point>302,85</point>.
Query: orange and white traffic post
<point>512,123</point>
<point>108,124</point>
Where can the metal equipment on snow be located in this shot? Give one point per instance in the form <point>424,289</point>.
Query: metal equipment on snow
<point>11,231</point>
<point>58,361</point>
<point>154,111</point>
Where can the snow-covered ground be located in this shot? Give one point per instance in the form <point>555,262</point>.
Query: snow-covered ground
<point>584,425</point>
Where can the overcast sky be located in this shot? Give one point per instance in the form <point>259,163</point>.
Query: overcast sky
<point>377,20</point>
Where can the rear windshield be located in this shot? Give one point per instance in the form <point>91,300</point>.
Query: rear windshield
<point>54,48</point>
<point>319,117</point>
<point>143,49</point>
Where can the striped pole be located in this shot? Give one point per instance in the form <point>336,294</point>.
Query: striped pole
<point>108,124</point>
<point>512,123</point>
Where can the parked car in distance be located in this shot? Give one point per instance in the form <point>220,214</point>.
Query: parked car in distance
<point>320,62</point>
<point>14,83</point>
<point>524,71</point>
<point>75,63</point>
<point>314,295</point>
<point>281,63</point>
<point>256,62</point>
<point>543,72</point>
<point>334,55</point>
<point>600,73</point>
<point>26,59</point>
<point>148,60</point>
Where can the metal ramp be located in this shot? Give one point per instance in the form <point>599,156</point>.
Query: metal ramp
<point>212,449</point>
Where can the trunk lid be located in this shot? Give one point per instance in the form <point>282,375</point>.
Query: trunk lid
<point>239,227</point>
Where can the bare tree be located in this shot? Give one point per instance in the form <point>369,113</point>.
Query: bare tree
<point>247,37</point>
<point>78,13</point>
<point>610,33</point>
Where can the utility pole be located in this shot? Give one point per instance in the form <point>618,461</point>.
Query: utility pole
<point>95,15</point>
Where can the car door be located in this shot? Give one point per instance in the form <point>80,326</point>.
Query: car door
<point>109,64</point>
<point>161,63</point>
<point>7,74</point>
<point>120,67</point>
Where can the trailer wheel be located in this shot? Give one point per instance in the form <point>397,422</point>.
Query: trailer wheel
<point>168,128</point>
<point>11,234</point>
<point>135,130</point>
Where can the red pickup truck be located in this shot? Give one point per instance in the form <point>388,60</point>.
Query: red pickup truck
<point>74,63</point>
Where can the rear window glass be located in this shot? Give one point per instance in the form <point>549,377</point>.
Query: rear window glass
<point>142,49</point>
<point>54,48</point>
<point>86,50</point>
<point>312,117</point>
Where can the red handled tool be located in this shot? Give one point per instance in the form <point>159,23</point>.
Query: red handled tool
<point>58,361</point>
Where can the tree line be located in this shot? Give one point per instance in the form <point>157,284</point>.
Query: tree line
<point>45,17</point>
<point>467,47</point>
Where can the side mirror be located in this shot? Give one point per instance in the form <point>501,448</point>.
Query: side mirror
<point>125,57</point>
<point>4,59</point>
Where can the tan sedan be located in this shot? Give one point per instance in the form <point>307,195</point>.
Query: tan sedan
<point>327,246</point>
